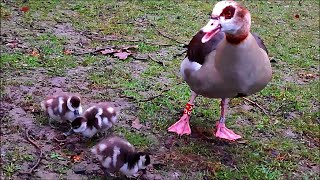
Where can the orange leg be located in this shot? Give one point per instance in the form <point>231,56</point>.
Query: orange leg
<point>222,131</point>
<point>182,126</point>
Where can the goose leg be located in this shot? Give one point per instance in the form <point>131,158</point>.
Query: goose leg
<point>182,126</point>
<point>222,130</point>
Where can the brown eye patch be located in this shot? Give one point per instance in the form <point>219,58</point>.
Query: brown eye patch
<point>228,12</point>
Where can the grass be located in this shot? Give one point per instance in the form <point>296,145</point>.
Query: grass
<point>10,169</point>
<point>289,30</point>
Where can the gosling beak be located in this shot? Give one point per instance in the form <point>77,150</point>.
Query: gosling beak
<point>70,132</point>
<point>76,113</point>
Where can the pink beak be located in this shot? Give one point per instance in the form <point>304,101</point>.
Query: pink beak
<point>211,29</point>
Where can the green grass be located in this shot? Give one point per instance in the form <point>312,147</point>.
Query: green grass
<point>10,169</point>
<point>292,42</point>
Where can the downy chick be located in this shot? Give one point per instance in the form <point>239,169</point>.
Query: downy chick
<point>62,107</point>
<point>118,155</point>
<point>95,119</point>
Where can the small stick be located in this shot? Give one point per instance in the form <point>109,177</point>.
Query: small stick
<point>256,104</point>
<point>165,35</point>
<point>40,155</point>
<point>159,62</point>
<point>59,140</point>
<point>180,54</point>
<point>153,97</point>
<point>168,37</point>
<point>92,52</point>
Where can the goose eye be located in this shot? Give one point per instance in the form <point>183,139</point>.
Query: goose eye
<point>227,15</point>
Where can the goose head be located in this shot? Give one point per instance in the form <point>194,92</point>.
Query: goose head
<point>228,17</point>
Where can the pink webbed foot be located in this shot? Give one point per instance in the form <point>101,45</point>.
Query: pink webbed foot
<point>182,126</point>
<point>225,133</point>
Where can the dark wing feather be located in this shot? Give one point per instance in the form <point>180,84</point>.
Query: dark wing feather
<point>197,51</point>
<point>260,42</point>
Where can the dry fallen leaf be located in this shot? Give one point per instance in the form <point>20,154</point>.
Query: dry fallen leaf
<point>13,44</point>
<point>24,9</point>
<point>76,158</point>
<point>35,53</point>
<point>122,55</point>
<point>67,52</point>
<point>108,51</point>
<point>304,75</point>
<point>136,124</point>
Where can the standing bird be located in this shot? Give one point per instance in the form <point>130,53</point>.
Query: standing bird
<point>95,119</point>
<point>118,155</point>
<point>224,60</point>
<point>62,107</point>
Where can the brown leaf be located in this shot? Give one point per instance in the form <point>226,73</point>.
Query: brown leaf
<point>24,9</point>
<point>35,53</point>
<point>304,75</point>
<point>108,51</point>
<point>12,45</point>
<point>67,52</point>
<point>122,55</point>
<point>310,76</point>
<point>136,124</point>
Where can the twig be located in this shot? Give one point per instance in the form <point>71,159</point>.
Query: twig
<point>159,62</point>
<point>40,155</point>
<point>276,110</point>
<point>154,97</point>
<point>180,54</point>
<point>92,52</point>
<point>165,35</point>
<point>168,37</point>
<point>256,104</point>
<point>59,140</point>
<point>124,39</point>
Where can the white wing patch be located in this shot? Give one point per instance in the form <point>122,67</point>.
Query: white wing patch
<point>125,170</point>
<point>60,104</point>
<point>106,122</point>
<point>110,109</point>
<point>107,162</point>
<point>191,66</point>
<point>52,115</point>
<point>98,116</point>
<point>89,132</point>
<point>114,119</point>
<point>102,147</point>
<point>116,152</point>
<point>49,101</point>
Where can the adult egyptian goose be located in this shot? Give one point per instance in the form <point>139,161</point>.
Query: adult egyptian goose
<point>224,60</point>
